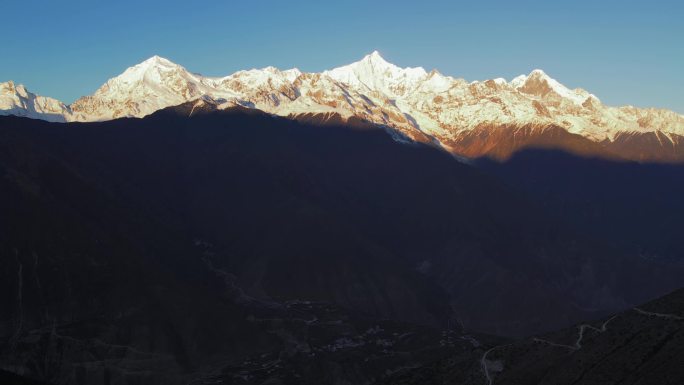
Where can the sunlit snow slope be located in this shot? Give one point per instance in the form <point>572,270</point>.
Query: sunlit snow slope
<point>468,118</point>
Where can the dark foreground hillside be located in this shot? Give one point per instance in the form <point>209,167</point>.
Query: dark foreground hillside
<point>643,345</point>
<point>635,206</point>
<point>233,246</point>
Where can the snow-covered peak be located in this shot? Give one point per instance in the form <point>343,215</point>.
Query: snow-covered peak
<point>151,63</point>
<point>153,70</point>
<point>10,88</point>
<point>7,88</point>
<point>154,84</point>
<point>423,106</point>
<point>537,72</point>
<point>270,71</point>
<point>374,73</point>
<point>15,99</point>
<point>158,60</point>
<point>375,59</point>
<point>265,79</point>
<point>539,84</point>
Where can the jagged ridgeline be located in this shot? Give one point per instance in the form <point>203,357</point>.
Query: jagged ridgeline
<point>494,118</point>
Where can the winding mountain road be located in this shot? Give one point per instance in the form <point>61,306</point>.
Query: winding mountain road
<point>661,315</point>
<point>578,343</point>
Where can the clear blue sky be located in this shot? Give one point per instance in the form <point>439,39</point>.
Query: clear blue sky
<point>626,52</point>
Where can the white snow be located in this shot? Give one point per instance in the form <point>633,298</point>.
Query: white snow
<point>373,73</point>
<point>408,100</point>
<point>16,100</point>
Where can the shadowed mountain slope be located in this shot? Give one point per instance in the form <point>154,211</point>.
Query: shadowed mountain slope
<point>149,249</point>
<point>636,207</point>
<point>643,345</point>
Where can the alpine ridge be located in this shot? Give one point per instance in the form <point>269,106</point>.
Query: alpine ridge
<point>492,118</point>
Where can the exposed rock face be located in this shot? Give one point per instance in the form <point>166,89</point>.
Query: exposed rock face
<point>422,106</point>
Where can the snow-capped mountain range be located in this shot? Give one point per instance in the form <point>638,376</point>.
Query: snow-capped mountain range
<point>424,106</point>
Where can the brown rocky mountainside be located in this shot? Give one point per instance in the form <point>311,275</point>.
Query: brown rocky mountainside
<point>494,118</point>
